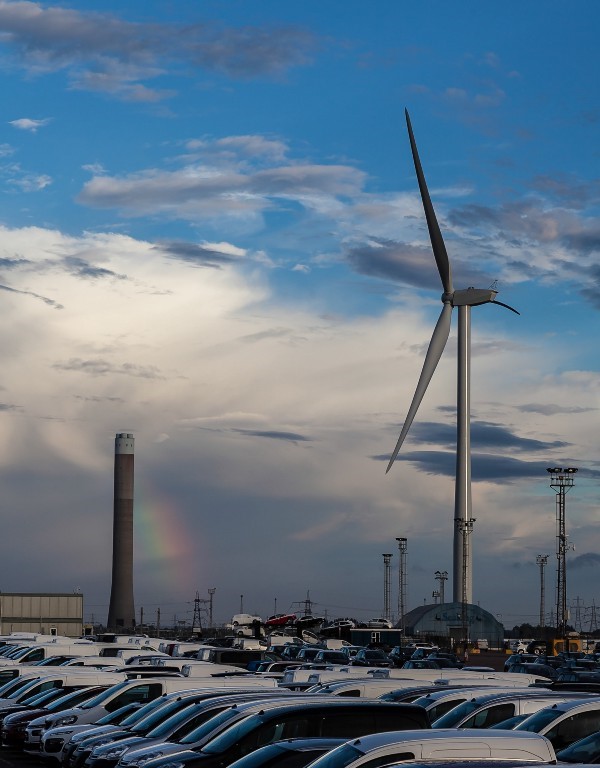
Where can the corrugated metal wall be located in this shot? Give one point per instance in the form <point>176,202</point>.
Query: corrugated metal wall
<point>41,612</point>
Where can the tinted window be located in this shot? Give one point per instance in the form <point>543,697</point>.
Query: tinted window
<point>573,728</point>
<point>490,716</point>
<point>143,693</point>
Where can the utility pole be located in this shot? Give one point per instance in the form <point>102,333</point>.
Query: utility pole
<point>386,586</point>
<point>402,547</point>
<point>542,560</point>
<point>561,480</point>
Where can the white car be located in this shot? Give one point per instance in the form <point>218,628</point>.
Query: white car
<point>379,624</point>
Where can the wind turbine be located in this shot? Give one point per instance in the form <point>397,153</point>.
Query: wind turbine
<point>464,299</point>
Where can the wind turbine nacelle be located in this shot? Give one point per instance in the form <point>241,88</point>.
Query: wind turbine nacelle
<point>471,297</point>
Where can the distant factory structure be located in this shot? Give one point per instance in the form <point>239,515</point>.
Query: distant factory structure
<point>41,612</point>
<point>454,621</point>
<point>121,611</point>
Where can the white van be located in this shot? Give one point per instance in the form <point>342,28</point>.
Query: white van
<point>444,744</point>
<point>28,685</point>
<point>364,688</point>
<point>128,691</point>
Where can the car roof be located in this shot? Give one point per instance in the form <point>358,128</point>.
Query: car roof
<point>377,740</point>
<point>566,706</point>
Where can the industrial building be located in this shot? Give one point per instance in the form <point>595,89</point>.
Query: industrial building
<point>42,612</point>
<point>446,620</point>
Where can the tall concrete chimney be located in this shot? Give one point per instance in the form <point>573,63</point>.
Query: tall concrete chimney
<point>121,611</point>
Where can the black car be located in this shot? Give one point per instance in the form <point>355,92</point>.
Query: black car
<point>371,657</point>
<point>292,753</point>
<point>340,719</point>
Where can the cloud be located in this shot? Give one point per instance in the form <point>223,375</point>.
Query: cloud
<point>291,437</point>
<point>51,302</point>
<point>27,124</point>
<point>584,561</point>
<point>103,53</point>
<point>101,367</point>
<point>201,255</point>
<point>551,409</point>
<point>236,190</point>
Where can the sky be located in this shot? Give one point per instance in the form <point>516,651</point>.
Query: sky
<point>212,237</point>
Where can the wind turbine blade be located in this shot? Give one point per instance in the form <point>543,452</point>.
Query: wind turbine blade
<point>502,304</point>
<point>432,358</point>
<point>437,241</point>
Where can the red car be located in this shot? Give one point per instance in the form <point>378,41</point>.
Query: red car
<point>280,619</point>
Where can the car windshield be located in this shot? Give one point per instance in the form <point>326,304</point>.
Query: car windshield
<point>209,725</point>
<point>583,751</point>
<point>539,720</point>
<point>450,719</point>
<point>156,716</point>
<point>232,735</point>
<point>338,757</point>
<point>101,697</point>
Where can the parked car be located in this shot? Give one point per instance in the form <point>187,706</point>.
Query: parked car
<point>586,750</point>
<point>14,725</point>
<point>292,753</point>
<point>483,710</point>
<point>280,620</point>
<point>339,718</point>
<point>371,657</point>
<point>380,749</point>
<point>379,624</point>
<point>565,722</point>
<point>518,658</point>
<point>326,656</point>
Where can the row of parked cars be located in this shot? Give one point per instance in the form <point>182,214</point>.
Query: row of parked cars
<point>159,711</point>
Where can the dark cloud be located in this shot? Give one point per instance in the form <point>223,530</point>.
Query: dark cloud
<point>104,368</point>
<point>7,408</point>
<point>45,299</point>
<point>582,561</point>
<point>485,467</point>
<point>13,263</point>
<point>550,409</point>
<point>567,189</point>
<point>403,263</point>
<point>81,268</point>
<point>101,52</point>
<point>198,255</point>
<point>291,437</point>
<point>484,435</point>
<point>97,399</point>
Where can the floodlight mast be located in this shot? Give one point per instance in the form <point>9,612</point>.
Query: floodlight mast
<point>562,480</point>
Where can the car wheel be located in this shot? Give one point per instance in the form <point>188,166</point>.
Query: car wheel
<point>520,651</point>
<point>537,651</point>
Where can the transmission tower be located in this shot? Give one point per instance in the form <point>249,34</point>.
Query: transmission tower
<point>196,620</point>
<point>593,621</point>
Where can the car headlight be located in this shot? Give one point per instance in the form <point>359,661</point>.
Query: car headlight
<point>113,753</point>
<point>69,720</point>
<point>148,756</point>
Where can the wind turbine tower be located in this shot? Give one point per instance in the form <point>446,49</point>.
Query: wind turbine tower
<point>464,299</point>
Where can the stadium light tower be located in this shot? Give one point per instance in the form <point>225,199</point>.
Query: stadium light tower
<point>541,560</point>
<point>441,577</point>
<point>561,480</point>
<point>387,569</point>
<point>402,547</point>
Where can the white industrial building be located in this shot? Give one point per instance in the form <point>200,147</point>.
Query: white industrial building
<point>42,612</point>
